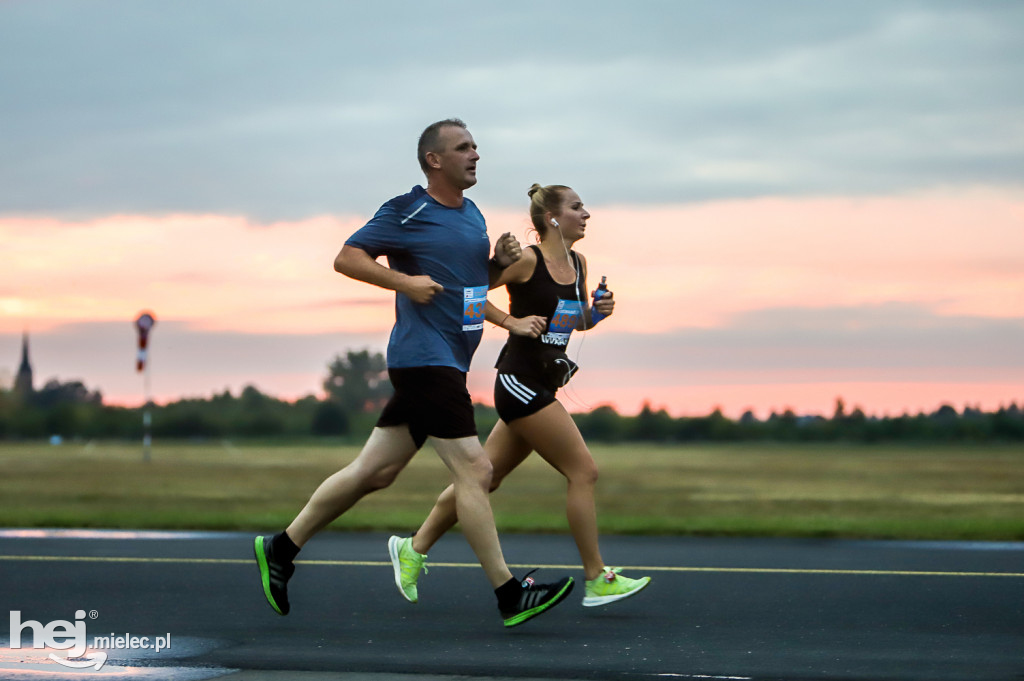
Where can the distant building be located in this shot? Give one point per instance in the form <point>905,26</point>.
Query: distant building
<point>23,381</point>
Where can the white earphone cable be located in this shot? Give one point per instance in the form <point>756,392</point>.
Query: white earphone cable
<point>569,391</point>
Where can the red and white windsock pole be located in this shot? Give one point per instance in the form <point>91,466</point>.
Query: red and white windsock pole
<point>144,324</point>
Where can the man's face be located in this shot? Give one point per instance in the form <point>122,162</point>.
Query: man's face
<point>458,158</point>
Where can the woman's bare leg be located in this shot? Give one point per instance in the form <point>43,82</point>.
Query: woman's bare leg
<point>554,435</point>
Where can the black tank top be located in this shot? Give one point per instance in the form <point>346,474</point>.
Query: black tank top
<point>541,295</point>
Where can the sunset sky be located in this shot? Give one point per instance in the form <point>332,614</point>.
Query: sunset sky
<point>792,201</point>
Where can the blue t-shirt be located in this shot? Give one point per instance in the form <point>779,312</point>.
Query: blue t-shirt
<point>450,245</point>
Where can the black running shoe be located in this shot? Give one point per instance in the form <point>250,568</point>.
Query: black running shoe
<point>535,599</point>
<point>274,574</point>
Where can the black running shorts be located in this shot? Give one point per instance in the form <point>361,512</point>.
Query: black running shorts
<point>432,401</point>
<point>516,396</point>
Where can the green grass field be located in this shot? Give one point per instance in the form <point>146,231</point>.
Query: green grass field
<point>925,492</point>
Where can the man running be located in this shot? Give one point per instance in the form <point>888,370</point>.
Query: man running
<point>437,247</point>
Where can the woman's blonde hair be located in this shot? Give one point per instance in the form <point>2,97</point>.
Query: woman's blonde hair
<point>544,200</point>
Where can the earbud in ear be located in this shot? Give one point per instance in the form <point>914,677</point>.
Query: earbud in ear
<point>554,222</point>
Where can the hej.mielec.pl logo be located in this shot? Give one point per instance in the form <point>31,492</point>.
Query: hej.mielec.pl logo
<point>72,637</point>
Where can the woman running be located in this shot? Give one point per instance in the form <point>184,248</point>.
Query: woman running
<point>547,301</point>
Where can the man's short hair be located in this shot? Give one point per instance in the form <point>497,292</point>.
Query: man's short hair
<point>431,138</point>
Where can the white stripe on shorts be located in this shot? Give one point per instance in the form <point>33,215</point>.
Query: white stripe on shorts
<point>516,389</point>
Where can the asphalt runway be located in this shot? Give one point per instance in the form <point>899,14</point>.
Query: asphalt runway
<point>732,609</point>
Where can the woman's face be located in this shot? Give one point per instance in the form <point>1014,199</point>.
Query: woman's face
<point>572,217</point>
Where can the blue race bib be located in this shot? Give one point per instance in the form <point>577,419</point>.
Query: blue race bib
<point>474,299</point>
<point>563,322</point>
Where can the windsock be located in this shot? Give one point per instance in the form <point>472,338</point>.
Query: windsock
<point>144,325</point>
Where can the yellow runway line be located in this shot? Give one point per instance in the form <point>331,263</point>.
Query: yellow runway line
<point>630,568</point>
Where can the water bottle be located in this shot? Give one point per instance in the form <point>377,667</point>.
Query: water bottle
<point>599,292</point>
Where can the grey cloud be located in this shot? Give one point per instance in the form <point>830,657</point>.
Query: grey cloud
<point>184,360</point>
<point>899,341</point>
<point>893,337</point>
<point>284,110</point>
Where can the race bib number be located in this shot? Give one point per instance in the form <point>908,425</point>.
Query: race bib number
<point>474,299</point>
<point>566,317</point>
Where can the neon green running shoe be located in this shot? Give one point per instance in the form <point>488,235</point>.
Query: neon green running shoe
<point>611,587</point>
<point>407,563</point>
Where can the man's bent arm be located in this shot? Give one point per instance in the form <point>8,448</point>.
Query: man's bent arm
<point>357,264</point>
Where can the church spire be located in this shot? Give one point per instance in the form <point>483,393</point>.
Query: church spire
<point>23,381</point>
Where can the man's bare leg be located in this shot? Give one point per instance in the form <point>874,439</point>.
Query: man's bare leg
<point>506,451</point>
<point>384,455</point>
<point>471,473</point>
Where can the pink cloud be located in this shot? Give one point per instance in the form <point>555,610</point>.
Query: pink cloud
<point>699,266</point>
<point>216,272</point>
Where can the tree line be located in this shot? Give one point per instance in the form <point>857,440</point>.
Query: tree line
<point>356,386</point>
